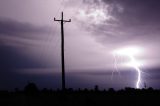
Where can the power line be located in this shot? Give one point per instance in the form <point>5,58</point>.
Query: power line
<point>50,38</point>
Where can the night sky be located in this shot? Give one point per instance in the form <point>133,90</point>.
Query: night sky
<point>30,43</point>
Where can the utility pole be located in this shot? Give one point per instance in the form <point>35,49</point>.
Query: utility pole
<point>62,21</point>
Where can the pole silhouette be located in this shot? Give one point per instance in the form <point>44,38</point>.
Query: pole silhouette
<point>62,21</point>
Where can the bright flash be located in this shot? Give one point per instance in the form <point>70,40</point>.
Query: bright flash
<point>128,51</point>
<point>131,52</point>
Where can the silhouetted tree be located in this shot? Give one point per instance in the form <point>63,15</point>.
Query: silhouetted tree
<point>145,85</point>
<point>31,88</point>
<point>111,90</point>
<point>96,88</point>
<point>86,90</point>
<point>150,89</point>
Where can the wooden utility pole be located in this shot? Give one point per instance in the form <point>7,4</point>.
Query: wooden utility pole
<point>62,49</point>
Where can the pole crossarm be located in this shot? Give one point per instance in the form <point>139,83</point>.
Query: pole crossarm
<point>62,20</point>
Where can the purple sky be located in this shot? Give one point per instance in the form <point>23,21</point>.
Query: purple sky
<point>30,42</point>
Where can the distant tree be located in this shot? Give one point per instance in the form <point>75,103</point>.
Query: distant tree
<point>145,85</point>
<point>150,89</point>
<point>45,90</point>
<point>96,88</point>
<point>129,89</point>
<point>104,90</point>
<point>111,90</point>
<point>70,90</point>
<point>86,90</point>
<point>79,89</point>
<point>31,88</point>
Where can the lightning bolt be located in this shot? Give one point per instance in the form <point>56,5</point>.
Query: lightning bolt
<point>116,57</point>
<point>135,66</point>
<point>129,52</point>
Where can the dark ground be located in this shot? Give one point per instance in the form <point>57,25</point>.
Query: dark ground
<point>31,96</point>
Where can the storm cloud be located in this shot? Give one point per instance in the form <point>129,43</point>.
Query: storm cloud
<point>134,20</point>
<point>16,39</point>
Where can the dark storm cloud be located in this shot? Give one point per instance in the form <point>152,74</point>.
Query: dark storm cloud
<point>135,19</point>
<point>17,40</point>
<point>12,59</point>
<point>15,33</point>
<point>139,12</point>
<point>15,28</point>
